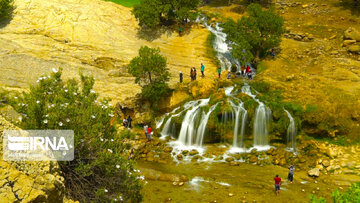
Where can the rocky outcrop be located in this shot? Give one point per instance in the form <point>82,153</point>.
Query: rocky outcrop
<point>95,36</point>
<point>29,181</point>
<point>315,172</point>
<point>352,34</point>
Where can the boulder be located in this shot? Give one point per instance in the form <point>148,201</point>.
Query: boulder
<point>253,159</point>
<point>179,157</point>
<point>315,172</point>
<point>193,152</point>
<point>349,42</point>
<point>234,163</point>
<point>352,33</point>
<point>354,48</point>
<point>229,159</point>
<point>168,149</point>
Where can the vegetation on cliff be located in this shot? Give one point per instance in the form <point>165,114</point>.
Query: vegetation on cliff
<point>151,73</point>
<point>99,172</point>
<point>255,34</point>
<point>151,13</point>
<point>5,7</point>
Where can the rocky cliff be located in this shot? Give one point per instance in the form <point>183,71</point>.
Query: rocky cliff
<point>94,36</point>
<point>29,181</point>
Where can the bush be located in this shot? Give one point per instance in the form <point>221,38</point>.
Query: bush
<point>150,13</point>
<point>100,171</point>
<point>151,73</point>
<point>5,8</point>
<point>255,34</point>
<point>349,196</point>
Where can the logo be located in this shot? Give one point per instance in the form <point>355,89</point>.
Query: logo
<point>38,145</point>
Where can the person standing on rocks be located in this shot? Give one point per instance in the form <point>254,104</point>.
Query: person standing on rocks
<point>202,68</point>
<point>242,70</point>
<point>129,119</point>
<point>181,76</point>
<point>145,130</point>
<point>291,173</point>
<point>180,31</point>
<point>194,73</point>
<point>219,72</point>
<point>277,184</point>
<point>149,133</point>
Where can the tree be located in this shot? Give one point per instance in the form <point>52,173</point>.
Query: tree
<point>253,35</point>
<point>100,171</point>
<point>150,72</point>
<point>151,13</point>
<point>5,7</point>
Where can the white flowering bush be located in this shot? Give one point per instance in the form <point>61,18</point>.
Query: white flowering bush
<point>100,171</point>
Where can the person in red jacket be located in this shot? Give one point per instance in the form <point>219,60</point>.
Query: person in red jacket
<point>277,184</point>
<point>149,133</point>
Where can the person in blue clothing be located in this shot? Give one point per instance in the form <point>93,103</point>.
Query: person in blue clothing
<point>202,70</point>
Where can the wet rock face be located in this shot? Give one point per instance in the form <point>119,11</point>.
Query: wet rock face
<point>29,181</point>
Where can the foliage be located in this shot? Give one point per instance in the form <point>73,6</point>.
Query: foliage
<point>314,199</point>
<point>255,34</point>
<point>151,13</point>
<point>126,3</point>
<point>151,73</point>
<point>5,8</point>
<point>350,195</point>
<point>99,171</point>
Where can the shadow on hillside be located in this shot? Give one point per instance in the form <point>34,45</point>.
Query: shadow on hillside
<point>241,3</point>
<point>155,33</point>
<point>350,5</point>
<point>4,22</point>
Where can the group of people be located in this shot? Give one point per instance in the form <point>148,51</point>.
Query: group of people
<point>246,72</point>
<point>127,122</point>
<point>277,179</point>
<point>148,132</point>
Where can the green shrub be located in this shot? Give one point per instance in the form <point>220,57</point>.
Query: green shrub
<point>100,172</point>
<point>351,195</point>
<point>5,8</point>
<point>151,73</point>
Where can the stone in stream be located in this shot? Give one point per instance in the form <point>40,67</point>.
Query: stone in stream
<point>229,159</point>
<point>234,163</point>
<point>168,149</point>
<point>185,152</point>
<point>253,159</point>
<point>315,172</point>
<point>179,157</point>
<point>193,152</point>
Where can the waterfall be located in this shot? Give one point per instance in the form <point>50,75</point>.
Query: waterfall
<point>187,132</point>
<point>240,113</point>
<point>221,46</point>
<point>161,120</point>
<point>202,127</point>
<point>291,133</point>
<point>261,120</point>
<point>260,126</point>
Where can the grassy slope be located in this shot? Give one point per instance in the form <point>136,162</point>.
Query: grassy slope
<point>126,3</point>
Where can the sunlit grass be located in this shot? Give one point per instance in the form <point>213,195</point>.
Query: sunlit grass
<point>126,3</point>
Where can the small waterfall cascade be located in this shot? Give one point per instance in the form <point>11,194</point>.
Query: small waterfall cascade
<point>291,133</point>
<point>222,48</point>
<point>262,118</point>
<point>161,120</point>
<point>239,125</point>
<point>202,127</point>
<point>188,132</point>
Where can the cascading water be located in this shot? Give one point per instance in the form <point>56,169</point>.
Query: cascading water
<point>202,127</point>
<point>187,133</point>
<point>262,118</point>
<point>291,133</point>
